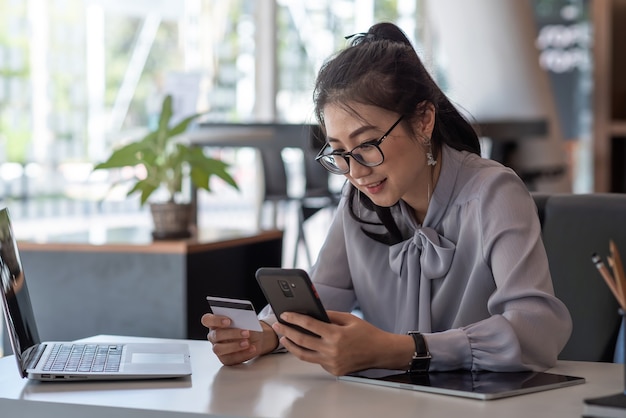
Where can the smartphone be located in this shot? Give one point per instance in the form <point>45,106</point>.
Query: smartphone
<point>291,290</point>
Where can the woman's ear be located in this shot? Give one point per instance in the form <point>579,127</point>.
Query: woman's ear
<point>426,119</point>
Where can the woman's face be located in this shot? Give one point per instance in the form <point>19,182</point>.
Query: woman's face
<point>403,174</point>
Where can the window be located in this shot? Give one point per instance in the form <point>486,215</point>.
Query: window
<point>78,77</point>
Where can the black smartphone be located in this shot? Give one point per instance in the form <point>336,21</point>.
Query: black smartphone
<point>291,290</point>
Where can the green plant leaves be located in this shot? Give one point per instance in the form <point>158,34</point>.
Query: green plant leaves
<point>167,161</point>
<point>202,167</point>
<point>128,155</point>
<point>145,187</point>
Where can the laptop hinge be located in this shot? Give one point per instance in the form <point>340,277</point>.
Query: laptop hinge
<point>33,354</point>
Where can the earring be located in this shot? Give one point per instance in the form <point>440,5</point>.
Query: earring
<point>430,160</point>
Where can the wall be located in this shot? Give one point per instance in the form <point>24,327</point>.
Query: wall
<point>492,71</point>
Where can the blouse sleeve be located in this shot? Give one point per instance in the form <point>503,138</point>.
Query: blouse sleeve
<point>528,326</point>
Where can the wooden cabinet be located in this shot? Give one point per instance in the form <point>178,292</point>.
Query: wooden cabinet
<point>609,106</point>
<point>131,285</point>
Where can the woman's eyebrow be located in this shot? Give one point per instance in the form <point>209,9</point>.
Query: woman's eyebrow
<point>354,133</point>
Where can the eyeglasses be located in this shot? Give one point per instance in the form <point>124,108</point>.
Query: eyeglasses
<point>368,154</point>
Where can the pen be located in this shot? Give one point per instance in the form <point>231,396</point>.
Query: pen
<point>608,278</point>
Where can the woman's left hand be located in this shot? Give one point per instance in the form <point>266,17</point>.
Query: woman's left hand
<point>345,345</point>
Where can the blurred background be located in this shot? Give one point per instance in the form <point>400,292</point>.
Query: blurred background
<point>80,77</point>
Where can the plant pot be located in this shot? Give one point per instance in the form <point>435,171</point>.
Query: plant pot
<point>171,220</point>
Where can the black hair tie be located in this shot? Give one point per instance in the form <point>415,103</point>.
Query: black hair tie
<point>361,37</point>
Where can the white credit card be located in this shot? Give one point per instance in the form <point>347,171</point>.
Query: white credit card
<point>240,311</point>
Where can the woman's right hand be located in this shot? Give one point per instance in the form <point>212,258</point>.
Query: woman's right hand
<point>234,345</point>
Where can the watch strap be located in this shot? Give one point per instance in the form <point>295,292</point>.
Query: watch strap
<point>420,363</point>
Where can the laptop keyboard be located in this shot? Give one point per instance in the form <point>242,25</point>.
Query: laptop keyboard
<point>84,358</point>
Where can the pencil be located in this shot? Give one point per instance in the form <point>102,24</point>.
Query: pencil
<point>608,278</point>
<point>619,283</point>
<point>609,259</point>
<point>618,268</point>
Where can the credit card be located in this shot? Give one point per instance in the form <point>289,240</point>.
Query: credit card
<point>240,311</point>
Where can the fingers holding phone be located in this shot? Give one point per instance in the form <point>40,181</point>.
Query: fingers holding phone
<point>339,349</point>
<point>291,290</point>
<point>301,329</point>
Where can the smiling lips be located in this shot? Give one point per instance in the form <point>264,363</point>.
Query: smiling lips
<point>374,188</point>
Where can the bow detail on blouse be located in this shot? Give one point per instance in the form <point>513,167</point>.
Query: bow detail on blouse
<point>427,254</point>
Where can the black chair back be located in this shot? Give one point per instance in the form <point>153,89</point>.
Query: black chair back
<point>274,174</point>
<point>574,227</point>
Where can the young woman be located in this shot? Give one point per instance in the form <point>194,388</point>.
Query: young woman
<point>439,249</point>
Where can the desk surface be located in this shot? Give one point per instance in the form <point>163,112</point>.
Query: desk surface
<point>281,386</point>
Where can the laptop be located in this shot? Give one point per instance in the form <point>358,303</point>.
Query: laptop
<point>63,361</point>
<point>467,384</point>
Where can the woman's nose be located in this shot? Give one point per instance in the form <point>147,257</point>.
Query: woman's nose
<point>358,170</point>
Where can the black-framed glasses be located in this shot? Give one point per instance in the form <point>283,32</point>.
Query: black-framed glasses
<point>368,154</point>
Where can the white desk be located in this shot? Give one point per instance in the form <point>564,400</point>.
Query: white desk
<point>281,386</point>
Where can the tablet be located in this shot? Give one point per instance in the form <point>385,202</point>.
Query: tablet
<point>477,385</point>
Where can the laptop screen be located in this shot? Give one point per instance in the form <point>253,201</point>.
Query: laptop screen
<point>18,311</point>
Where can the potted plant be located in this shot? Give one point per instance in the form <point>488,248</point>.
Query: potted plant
<point>167,162</point>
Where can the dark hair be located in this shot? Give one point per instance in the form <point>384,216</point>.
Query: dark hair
<point>381,68</point>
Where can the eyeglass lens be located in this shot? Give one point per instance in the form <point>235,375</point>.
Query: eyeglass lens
<point>365,154</point>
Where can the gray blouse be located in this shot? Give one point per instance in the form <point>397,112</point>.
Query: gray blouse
<point>473,277</point>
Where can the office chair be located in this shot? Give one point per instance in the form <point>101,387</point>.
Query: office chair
<point>541,199</point>
<point>275,189</point>
<point>574,227</point>
<point>277,197</point>
<point>317,192</point>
